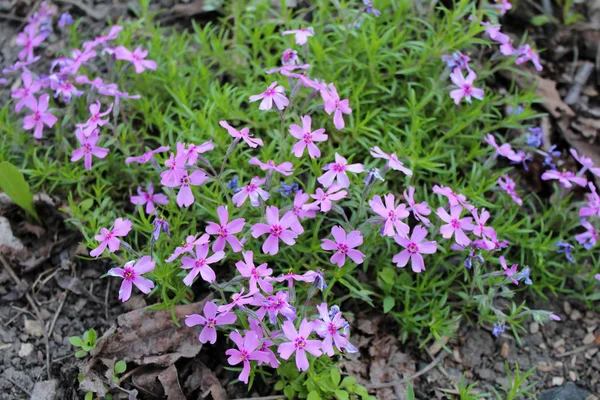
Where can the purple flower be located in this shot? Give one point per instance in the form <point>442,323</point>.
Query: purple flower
<point>535,137</point>
<point>26,93</point>
<point>508,185</point>
<point>247,351</point>
<point>552,152</point>
<point>299,211</point>
<point>64,20</point>
<point>210,321</point>
<point>201,265</point>
<point>413,248</point>
<point>333,104</point>
<point>137,58</point>
<point>498,329</point>
<point>586,163</point>
<point>391,215</point>
<point>419,210</point>
<point>149,198</point>
<point>307,137</point>
<point>524,275</point>
<point>299,343</point>
<point>456,60</point>
<point>509,272</point>
<point>225,231</point>
<point>121,227</point>
<point>132,275</point>
<point>237,299</point>
<point>290,57</point>
<point>244,135</point>
<point>337,171</point>
<point>328,328</point>
<point>279,303</point>
<point>147,156</point>
<point>160,225</point>
<point>29,40</point>
<point>273,94</point>
<point>286,190</point>
<point>95,120</point>
<point>455,225</point>
<point>194,151</point>
<point>344,246</point>
<point>393,161</point>
<point>252,191</point>
<point>480,230</point>
<point>593,203</point>
<point>453,198</point>
<point>369,9</point>
<point>465,86</point>
<point>588,238</point>
<point>188,246</point>
<point>525,53</point>
<point>276,229</point>
<point>505,150</point>
<point>566,178</point>
<point>88,148</point>
<point>257,275</point>
<point>502,6</point>
<point>301,35</point>
<point>323,199</point>
<point>284,168</point>
<point>40,117</point>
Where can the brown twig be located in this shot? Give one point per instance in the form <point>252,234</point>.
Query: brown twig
<point>577,350</point>
<point>18,386</point>
<point>57,313</point>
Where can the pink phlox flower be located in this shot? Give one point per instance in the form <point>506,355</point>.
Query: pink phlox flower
<point>185,196</point>
<point>225,231</point>
<point>299,343</point>
<point>455,225</point>
<point>243,134</point>
<point>210,321</point>
<point>97,83</point>
<point>267,343</point>
<point>494,33</point>
<point>20,65</point>
<point>486,233</point>
<point>344,246</point>
<point>121,228</point>
<point>413,248</point>
<point>67,89</point>
<point>285,168</point>
<point>328,328</point>
<point>147,156</point>
<point>508,185</point>
<point>149,198</point>
<point>333,104</point>
<point>252,191</point>
<point>457,60</point>
<point>419,210</point>
<point>454,199</point>
<point>112,90</point>
<point>201,265</point>
<point>40,117</point>
<point>112,35</point>
<point>307,138</point>
<point>502,6</point>
<point>593,203</point>
<point>391,215</point>
<point>505,150</point>
<point>260,275</point>
<point>588,238</point>
<point>132,275</point>
<point>586,162</point>
<point>279,303</point>
<point>176,164</point>
<point>509,272</point>
<point>525,53</point>
<point>26,93</point>
<point>301,35</point>
<point>276,229</point>
<point>96,119</point>
<point>237,299</point>
<point>323,199</point>
<point>465,86</point>
<point>273,94</point>
<point>289,57</point>
<point>393,161</point>
<point>3,81</point>
<point>29,39</point>
<point>247,352</point>
<point>193,151</point>
<point>287,69</point>
<point>566,178</point>
<point>137,58</point>
<point>290,277</point>
<point>78,58</point>
<point>337,171</point>
<point>88,148</point>
<point>300,214</point>
<point>188,246</point>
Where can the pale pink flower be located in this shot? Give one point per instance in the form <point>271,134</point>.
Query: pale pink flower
<point>136,58</point>
<point>289,57</point>
<point>285,168</point>
<point>505,150</point>
<point>323,199</point>
<point>300,214</point>
<point>589,238</point>
<point>276,229</point>
<point>307,138</point>
<point>486,233</point>
<point>333,104</point>
<point>188,246</point>
<point>525,53</point>
<point>252,191</point>
<point>96,119</point>
<point>413,248</point>
<point>337,171</point>
<point>258,276</point>
<point>508,185</point>
<point>185,197</point>
<point>149,198</point>
<point>273,94</point>
<point>40,117</point>
<point>393,161</point>
<point>465,86</point>
<point>586,162</point>
<point>502,6</point>
<point>132,275</point>
<point>391,215</point>
<point>299,343</point>
<point>112,35</point>
<point>147,156</point>
<point>237,299</point>
<point>419,210</point>
<point>592,206</point>
<point>328,328</point>
<point>88,148</point>
<point>29,40</point>
<point>453,198</point>
<point>210,321</point>
<point>455,225</point>
<point>301,35</point>
<point>247,352</point>
<point>509,272</point>
<point>121,227</point>
<point>26,93</point>
<point>243,134</point>
<point>201,265</point>
<point>566,178</point>
<point>225,231</point>
<point>193,151</point>
<point>344,246</point>
<point>176,164</point>
<point>267,343</point>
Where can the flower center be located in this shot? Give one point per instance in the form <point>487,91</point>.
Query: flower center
<point>254,273</point>
<point>412,248</point>
<point>87,148</point>
<point>276,230</point>
<point>129,274</point>
<point>338,167</point>
<point>243,354</point>
<point>222,232</point>
<point>251,188</point>
<point>270,92</point>
<point>300,342</point>
<point>332,328</point>
<point>210,322</point>
<point>307,137</point>
<point>342,248</point>
<point>185,181</point>
<point>200,263</point>
<point>37,116</point>
<point>467,88</point>
<point>455,224</point>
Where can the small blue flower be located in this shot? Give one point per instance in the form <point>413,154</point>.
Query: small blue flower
<point>566,248</point>
<point>234,184</point>
<point>286,190</point>
<point>552,152</point>
<point>514,110</point>
<point>320,281</point>
<point>160,225</point>
<point>535,137</point>
<point>64,20</point>
<point>498,329</point>
<point>373,174</point>
<point>333,311</point>
<point>524,274</point>
<point>369,9</point>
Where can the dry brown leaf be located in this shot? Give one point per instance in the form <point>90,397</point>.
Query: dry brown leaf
<point>170,383</point>
<point>546,89</point>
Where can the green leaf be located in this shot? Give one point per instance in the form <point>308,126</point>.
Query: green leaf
<point>89,396</point>
<point>388,303</point>
<point>76,341</point>
<point>388,275</point>
<point>120,367</point>
<point>289,392</point>
<point>13,183</point>
<point>348,382</point>
<point>80,353</point>
<point>341,395</point>
<point>540,20</point>
<point>86,204</point>
<point>410,393</point>
<point>279,385</point>
<point>335,377</point>
<point>314,395</point>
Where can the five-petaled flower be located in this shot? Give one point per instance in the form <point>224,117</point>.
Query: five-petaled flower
<point>455,225</point>
<point>344,246</point>
<point>391,215</point>
<point>419,210</point>
<point>509,272</point>
<point>301,35</point>
<point>328,328</point>
<point>136,57</point>
<point>333,104</point>
<point>413,248</point>
<point>96,119</point>
<point>337,171</point>
<point>247,351</point>
<point>323,200</point>
<point>307,138</point>
<point>88,148</point>
<point>132,275</point>
<point>465,86</point>
<point>210,320</point>
<point>26,93</point>
<point>243,134</point>
<point>201,265</point>
<point>225,231</point>
<point>276,229</point>
<point>149,198</point>
<point>121,227</point>
<point>40,117</point>
<point>273,94</point>
<point>566,178</point>
<point>185,197</point>
<point>393,161</point>
<point>285,168</point>
<point>252,191</point>
<point>299,343</point>
<point>260,275</point>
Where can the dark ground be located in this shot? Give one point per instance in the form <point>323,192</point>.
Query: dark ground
<point>42,281</point>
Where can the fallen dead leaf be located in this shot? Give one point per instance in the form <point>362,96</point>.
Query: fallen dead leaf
<point>168,378</point>
<point>204,378</point>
